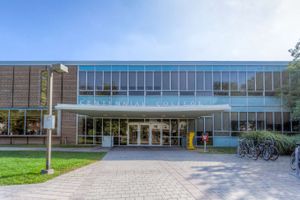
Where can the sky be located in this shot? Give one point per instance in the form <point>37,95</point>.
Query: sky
<point>64,30</point>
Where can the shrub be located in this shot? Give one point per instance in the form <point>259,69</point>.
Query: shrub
<point>285,144</point>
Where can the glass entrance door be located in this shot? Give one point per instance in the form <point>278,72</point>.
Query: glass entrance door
<point>155,134</point>
<point>133,134</point>
<point>144,134</point>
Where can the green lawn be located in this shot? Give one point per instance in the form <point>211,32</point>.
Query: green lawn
<point>218,150</point>
<point>24,167</point>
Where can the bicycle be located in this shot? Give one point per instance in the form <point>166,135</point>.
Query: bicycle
<point>293,159</point>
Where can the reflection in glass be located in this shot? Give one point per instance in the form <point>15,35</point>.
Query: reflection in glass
<point>82,80</point>
<point>157,80</point>
<point>3,122</point>
<point>217,80</point>
<point>286,121</point>
<point>259,81</point>
<point>277,121</point>
<point>234,121</point>
<point>260,121</point>
<point>17,122</point>
<point>166,80</point>
<point>123,80</point>
<point>174,80</point>
<point>33,122</point>
<point>251,81</point>
<point>268,80</point>
<point>115,81</point>
<point>132,80</point>
<point>90,80</point>
<point>149,80</point>
<point>133,134</point>
<point>251,121</point>
<point>226,121</point>
<point>276,79</point>
<point>140,80</point>
<point>99,81</point>
<point>269,118</point>
<point>217,121</point>
<point>243,121</point>
<point>233,80</point>
<point>200,81</point>
<point>106,127</point>
<point>98,126</point>
<point>242,81</point>
<point>107,81</point>
<point>208,81</point>
<point>191,80</point>
<point>225,80</point>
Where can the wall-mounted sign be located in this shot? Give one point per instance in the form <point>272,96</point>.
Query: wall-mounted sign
<point>49,122</point>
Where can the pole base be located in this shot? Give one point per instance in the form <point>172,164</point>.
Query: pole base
<point>47,171</point>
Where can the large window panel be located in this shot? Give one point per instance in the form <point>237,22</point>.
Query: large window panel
<point>183,81</point>
<point>17,122</point>
<point>107,80</point>
<point>260,121</point>
<point>174,80</point>
<point>233,81</point>
<point>200,80</point>
<point>106,127</point>
<point>234,121</point>
<point>166,80</point>
<point>90,80</point>
<point>124,81</point>
<point>82,80</point>
<point>269,119</point>
<point>157,80</point>
<point>99,81</point>
<point>149,80</point>
<point>259,81</point>
<point>115,127</point>
<point>251,81</point>
<point>191,80</point>
<point>243,121</point>
<point>276,80</point>
<point>3,122</point>
<point>98,127</point>
<point>225,80</point>
<point>242,81</point>
<point>132,80</point>
<point>208,81</point>
<point>217,121</point>
<point>33,122</point>
<point>217,80</point>
<point>285,78</point>
<point>115,82</point>
<point>278,123</point>
<point>268,81</point>
<point>81,125</point>
<point>251,121</point>
<point>140,80</point>
<point>226,121</point>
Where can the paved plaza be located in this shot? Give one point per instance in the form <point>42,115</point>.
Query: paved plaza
<point>140,173</point>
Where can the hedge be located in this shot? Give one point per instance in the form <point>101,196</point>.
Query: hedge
<point>285,144</point>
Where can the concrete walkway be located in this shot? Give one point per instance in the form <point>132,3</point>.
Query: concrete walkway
<point>164,174</point>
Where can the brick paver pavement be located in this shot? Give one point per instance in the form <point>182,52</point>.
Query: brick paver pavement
<point>129,173</point>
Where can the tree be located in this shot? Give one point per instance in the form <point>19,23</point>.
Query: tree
<point>291,89</point>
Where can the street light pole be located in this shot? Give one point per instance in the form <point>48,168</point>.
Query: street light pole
<point>60,69</point>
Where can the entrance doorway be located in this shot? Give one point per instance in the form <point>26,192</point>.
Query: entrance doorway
<point>144,134</point>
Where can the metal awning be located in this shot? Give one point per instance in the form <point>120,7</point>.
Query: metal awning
<point>191,111</point>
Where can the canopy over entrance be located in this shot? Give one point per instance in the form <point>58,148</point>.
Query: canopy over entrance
<point>143,111</point>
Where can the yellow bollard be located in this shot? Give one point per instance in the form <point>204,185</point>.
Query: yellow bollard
<point>190,145</point>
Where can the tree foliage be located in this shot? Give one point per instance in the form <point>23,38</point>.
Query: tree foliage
<point>291,89</point>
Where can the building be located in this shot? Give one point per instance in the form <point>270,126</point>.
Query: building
<point>144,103</point>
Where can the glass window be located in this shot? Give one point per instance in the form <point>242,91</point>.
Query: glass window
<point>82,80</point>
<point>89,126</point>
<point>123,127</point>
<point>183,81</point>
<point>90,80</point>
<point>268,80</point>
<point>81,125</point>
<point>285,78</point>
<point>225,80</point>
<point>174,128</point>
<point>106,126</point>
<point>234,121</point>
<point>226,121</point>
<point>286,121</point>
<point>107,81</point>
<point>17,122</point>
<point>115,127</point>
<point>123,80</point>
<point>149,80</point>
<point>260,121</point>
<point>217,80</point>
<point>200,126</point>
<point>243,121</point>
<point>140,80</point>
<point>166,80</point>
<point>233,81</point>
<point>3,122</point>
<point>200,81</point>
<point>191,80</point>
<point>217,121</point>
<point>277,120</point>
<point>295,125</point>
<point>33,122</point>
<point>132,80</point>
<point>259,81</point>
<point>99,81</point>
<point>157,80</point>
<point>98,127</point>
<point>115,81</point>
<point>242,81</point>
<point>251,121</point>
<point>174,80</point>
<point>251,81</point>
<point>166,131</point>
<point>183,127</point>
<point>208,81</point>
<point>276,80</point>
<point>208,126</point>
<point>269,119</point>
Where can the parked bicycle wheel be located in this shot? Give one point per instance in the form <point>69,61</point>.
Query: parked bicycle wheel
<point>266,154</point>
<point>274,154</point>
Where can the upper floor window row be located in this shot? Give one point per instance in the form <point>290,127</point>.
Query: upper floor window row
<point>221,83</point>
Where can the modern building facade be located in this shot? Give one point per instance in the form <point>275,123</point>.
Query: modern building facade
<point>149,103</point>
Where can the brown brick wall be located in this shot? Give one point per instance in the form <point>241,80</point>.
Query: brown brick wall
<point>21,86</point>
<point>6,78</point>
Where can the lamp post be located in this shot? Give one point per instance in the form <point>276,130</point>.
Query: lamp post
<point>49,120</point>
